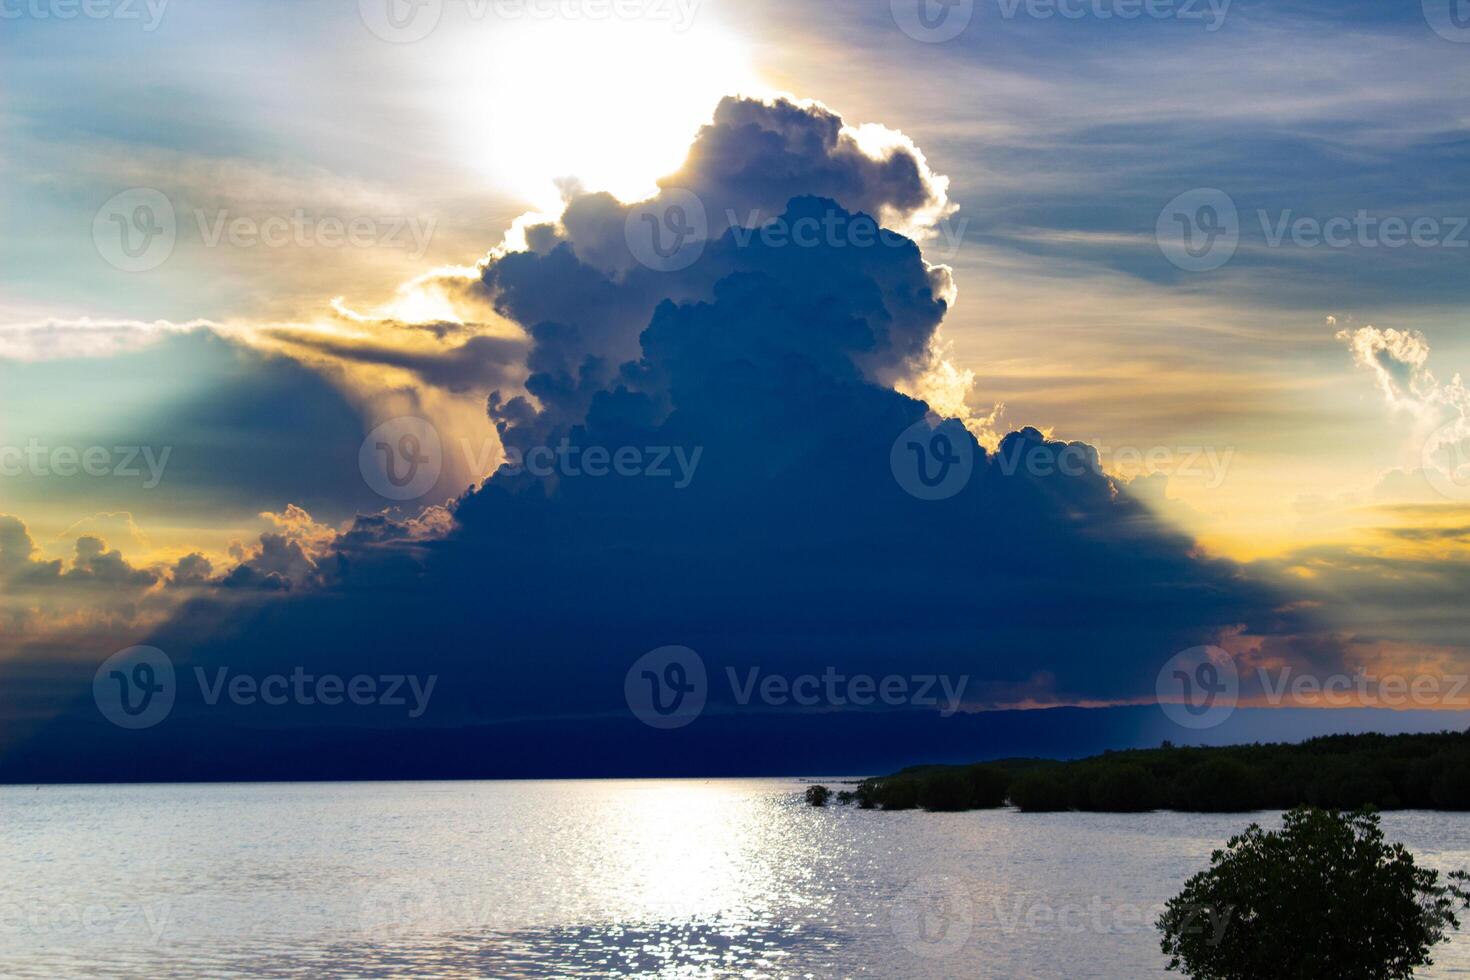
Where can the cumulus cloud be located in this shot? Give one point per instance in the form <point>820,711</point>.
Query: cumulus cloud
<point>791,546</point>
<point>91,596</point>
<point>1438,445</point>
<point>1398,360</point>
<point>584,297</point>
<point>756,155</point>
<point>53,339</point>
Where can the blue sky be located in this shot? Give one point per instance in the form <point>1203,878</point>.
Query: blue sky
<point>1279,409</point>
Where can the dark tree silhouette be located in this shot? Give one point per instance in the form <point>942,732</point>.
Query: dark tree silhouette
<point>1337,772</point>
<point>1324,897</point>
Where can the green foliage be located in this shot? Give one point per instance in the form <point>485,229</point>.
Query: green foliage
<point>897,794</point>
<point>988,786</point>
<point>1125,788</point>
<point>1324,897</point>
<point>1219,784</point>
<point>1041,791</point>
<point>818,795</point>
<point>1336,772</point>
<point>947,789</point>
<point>937,788</point>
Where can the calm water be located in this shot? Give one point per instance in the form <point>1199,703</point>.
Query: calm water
<point>594,878</point>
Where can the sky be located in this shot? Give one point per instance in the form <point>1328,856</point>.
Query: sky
<point>1222,244</point>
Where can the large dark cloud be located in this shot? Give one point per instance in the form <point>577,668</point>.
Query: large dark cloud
<point>790,547</point>
<point>583,292</point>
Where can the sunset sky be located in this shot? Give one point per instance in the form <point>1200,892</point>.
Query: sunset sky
<point>1279,410</point>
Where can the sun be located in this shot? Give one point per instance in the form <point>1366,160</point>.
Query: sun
<point>610,103</point>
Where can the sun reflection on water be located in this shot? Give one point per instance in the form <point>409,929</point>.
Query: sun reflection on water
<point>592,878</point>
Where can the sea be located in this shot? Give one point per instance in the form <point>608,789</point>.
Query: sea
<point>596,878</point>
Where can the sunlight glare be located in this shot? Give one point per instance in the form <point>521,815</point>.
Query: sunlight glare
<point>612,104</point>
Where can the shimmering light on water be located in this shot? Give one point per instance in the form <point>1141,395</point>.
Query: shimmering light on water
<point>592,878</point>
